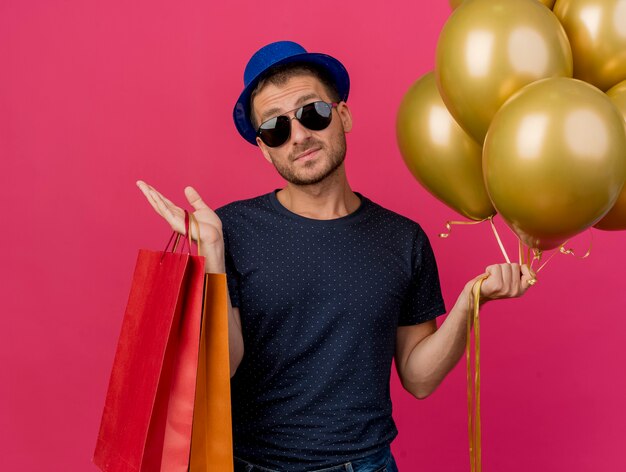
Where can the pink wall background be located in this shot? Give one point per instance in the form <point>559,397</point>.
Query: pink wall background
<point>94,95</point>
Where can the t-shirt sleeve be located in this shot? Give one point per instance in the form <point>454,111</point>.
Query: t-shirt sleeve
<point>424,300</point>
<point>232,277</point>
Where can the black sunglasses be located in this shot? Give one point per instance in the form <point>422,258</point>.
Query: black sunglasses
<point>315,116</point>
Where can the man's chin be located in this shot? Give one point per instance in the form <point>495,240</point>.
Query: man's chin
<point>305,173</point>
<point>305,182</point>
<point>311,179</point>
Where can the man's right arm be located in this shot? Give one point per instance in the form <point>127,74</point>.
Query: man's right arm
<point>211,247</point>
<point>235,339</point>
<point>215,264</point>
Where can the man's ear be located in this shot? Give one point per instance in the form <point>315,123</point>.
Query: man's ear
<point>264,150</point>
<point>345,115</point>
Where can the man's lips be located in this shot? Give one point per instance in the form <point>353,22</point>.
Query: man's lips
<point>307,153</point>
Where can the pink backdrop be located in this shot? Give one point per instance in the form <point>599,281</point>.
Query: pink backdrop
<point>94,95</point>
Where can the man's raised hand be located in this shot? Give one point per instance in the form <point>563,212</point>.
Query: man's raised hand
<point>209,223</point>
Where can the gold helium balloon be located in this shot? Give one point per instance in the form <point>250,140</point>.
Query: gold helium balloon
<point>548,3</point>
<point>455,3</point>
<point>439,154</point>
<point>554,160</point>
<point>489,49</point>
<point>615,219</point>
<point>597,33</point>
<point>618,95</point>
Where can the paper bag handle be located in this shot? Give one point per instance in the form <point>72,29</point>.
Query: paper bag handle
<point>176,236</point>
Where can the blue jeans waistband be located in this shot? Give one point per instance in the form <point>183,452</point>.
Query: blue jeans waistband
<point>381,461</point>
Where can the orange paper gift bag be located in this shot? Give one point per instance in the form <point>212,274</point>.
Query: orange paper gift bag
<point>211,446</point>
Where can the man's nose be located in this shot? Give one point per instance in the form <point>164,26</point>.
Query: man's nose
<point>299,132</point>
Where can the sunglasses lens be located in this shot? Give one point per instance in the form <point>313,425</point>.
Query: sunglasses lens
<point>275,132</point>
<point>315,116</point>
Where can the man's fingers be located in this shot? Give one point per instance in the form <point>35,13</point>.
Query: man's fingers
<point>505,281</point>
<point>194,199</point>
<point>170,212</point>
<point>175,215</point>
<point>512,280</point>
<point>145,189</point>
<point>493,285</point>
<point>175,220</point>
<point>527,271</point>
<point>515,280</point>
<point>529,278</point>
<point>155,196</point>
<point>150,189</point>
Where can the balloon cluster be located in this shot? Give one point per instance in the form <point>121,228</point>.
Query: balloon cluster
<point>525,115</point>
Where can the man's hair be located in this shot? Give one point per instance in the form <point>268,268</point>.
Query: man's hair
<point>279,75</point>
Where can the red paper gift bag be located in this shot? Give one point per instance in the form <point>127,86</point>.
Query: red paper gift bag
<point>148,414</point>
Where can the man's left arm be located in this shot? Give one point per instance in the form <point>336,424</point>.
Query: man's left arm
<point>425,354</point>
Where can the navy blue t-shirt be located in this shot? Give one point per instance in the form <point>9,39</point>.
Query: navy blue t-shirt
<point>320,303</point>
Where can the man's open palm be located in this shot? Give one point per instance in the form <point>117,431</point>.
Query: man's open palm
<point>209,223</point>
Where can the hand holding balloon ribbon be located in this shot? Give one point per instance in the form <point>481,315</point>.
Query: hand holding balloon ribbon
<point>502,127</point>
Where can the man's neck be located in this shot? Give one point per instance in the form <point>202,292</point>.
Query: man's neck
<point>332,198</point>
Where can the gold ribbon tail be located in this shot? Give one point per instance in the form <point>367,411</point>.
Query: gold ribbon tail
<point>570,251</point>
<point>449,225</point>
<point>473,382</point>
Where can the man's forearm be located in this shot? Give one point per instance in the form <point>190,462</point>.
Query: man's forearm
<point>215,264</point>
<point>431,358</point>
<point>235,338</point>
<point>437,354</point>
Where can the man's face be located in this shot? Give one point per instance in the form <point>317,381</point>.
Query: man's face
<point>308,157</point>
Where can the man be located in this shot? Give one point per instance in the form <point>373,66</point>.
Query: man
<point>326,286</point>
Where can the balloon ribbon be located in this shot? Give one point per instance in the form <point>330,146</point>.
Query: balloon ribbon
<point>493,227</point>
<point>450,223</point>
<point>568,251</point>
<point>473,382</point>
